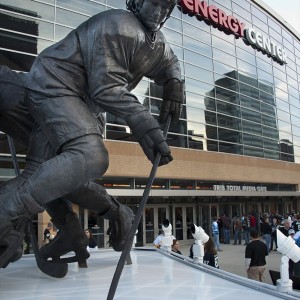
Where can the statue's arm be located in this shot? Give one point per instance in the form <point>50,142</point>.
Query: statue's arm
<point>168,74</point>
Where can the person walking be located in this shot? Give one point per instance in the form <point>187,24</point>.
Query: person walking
<point>274,226</point>
<point>297,265</point>
<point>237,226</point>
<point>216,233</point>
<point>266,231</point>
<point>252,221</point>
<point>255,257</point>
<point>296,223</point>
<point>246,229</point>
<point>221,233</point>
<point>226,228</point>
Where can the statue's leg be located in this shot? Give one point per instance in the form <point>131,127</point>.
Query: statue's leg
<point>70,237</point>
<point>81,159</point>
<point>94,197</point>
<point>54,178</point>
<point>60,210</point>
<point>16,121</point>
<point>18,124</point>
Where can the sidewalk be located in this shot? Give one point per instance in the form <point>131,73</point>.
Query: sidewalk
<point>232,259</point>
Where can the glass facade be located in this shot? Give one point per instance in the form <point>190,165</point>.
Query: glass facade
<point>238,99</point>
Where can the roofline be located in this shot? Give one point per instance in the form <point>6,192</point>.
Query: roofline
<point>277,17</point>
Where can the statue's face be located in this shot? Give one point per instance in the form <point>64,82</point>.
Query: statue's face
<point>153,13</point>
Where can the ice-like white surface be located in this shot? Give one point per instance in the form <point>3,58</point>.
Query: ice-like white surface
<point>153,275</point>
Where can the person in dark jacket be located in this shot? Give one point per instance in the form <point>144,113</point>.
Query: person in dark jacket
<point>266,231</point>
<point>175,247</point>
<point>226,228</point>
<point>274,226</point>
<point>92,240</point>
<point>285,227</point>
<point>255,257</point>
<point>210,254</point>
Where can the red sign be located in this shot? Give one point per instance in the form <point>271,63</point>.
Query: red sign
<point>230,24</point>
<point>215,15</point>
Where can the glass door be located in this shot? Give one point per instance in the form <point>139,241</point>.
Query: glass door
<point>161,216</point>
<point>190,219</point>
<point>149,225</point>
<point>178,222</point>
<point>154,217</point>
<point>205,218</point>
<point>184,217</point>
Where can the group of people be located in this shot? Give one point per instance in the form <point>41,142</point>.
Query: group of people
<point>240,227</point>
<point>269,224</point>
<point>222,227</point>
<point>257,251</point>
<point>57,111</point>
<point>257,247</point>
<point>288,229</point>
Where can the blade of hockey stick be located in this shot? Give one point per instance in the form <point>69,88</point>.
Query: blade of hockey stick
<point>52,269</point>
<point>136,221</point>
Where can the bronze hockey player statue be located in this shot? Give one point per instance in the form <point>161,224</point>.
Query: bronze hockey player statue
<point>16,121</point>
<point>89,72</point>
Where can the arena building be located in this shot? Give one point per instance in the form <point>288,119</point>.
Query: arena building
<point>237,146</point>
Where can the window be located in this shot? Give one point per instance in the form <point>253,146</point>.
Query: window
<point>229,122</point>
<point>198,59</point>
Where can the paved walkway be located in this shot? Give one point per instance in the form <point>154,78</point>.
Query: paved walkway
<point>232,259</point>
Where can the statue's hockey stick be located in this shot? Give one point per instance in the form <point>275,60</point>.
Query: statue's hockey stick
<point>136,221</point>
<point>52,269</point>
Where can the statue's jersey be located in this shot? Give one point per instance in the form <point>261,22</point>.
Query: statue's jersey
<point>102,61</point>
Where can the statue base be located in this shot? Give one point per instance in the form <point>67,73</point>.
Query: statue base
<point>283,287</point>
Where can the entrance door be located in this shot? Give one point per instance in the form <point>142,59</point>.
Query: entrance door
<point>184,217</point>
<point>205,217</point>
<point>149,224</point>
<point>154,217</point>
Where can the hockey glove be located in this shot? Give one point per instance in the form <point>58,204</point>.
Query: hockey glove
<point>148,133</point>
<point>172,101</point>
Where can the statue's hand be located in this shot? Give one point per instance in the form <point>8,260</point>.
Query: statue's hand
<point>148,133</point>
<point>152,143</point>
<point>173,97</point>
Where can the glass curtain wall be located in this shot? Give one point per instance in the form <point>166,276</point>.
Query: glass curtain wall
<point>238,100</point>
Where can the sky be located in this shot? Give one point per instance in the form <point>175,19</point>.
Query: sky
<point>289,10</point>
